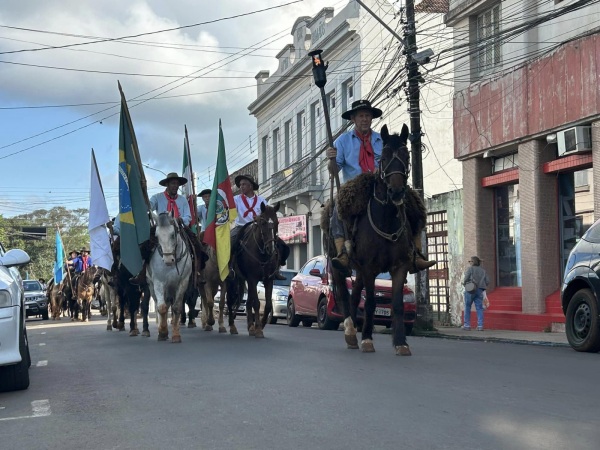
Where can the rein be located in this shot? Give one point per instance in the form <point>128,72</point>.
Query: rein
<point>184,251</point>
<point>389,236</point>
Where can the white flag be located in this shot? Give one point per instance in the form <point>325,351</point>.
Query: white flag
<point>101,251</point>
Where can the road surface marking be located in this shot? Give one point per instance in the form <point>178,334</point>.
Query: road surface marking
<point>42,343</point>
<point>39,408</point>
<point>42,363</point>
<point>43,332</point>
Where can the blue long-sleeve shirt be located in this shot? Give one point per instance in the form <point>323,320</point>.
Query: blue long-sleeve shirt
<point>348,150</point>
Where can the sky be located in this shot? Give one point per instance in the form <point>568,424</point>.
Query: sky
<point>56,104</point>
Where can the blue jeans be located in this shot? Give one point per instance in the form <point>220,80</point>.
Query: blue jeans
<point>476,298</point>
<point>336,225</point>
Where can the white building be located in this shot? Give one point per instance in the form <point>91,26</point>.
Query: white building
<point>365,61</point>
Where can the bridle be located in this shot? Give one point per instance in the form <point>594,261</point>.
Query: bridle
<point>265,249</point>
<point>184,252</point>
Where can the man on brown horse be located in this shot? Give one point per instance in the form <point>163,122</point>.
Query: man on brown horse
<point>170,201</point>
<point>358,151</point>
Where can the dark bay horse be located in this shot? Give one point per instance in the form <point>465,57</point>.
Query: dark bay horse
<point>382,242</point>
<point>256,259</point>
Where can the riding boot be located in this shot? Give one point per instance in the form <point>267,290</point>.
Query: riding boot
<point>340,262</point>
<point>419,260</point>
<point>278,276</point>
<point>140,278</point>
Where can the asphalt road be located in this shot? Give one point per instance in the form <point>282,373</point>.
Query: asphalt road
<point>297,388</point>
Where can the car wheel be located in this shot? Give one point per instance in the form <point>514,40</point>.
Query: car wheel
<point>408,327</point>
<point>324,322</point>
<point>307,323</point>
<point>16,377</point>
<point>582,322</point>
<point>293,319</point>
<point>272,320</point>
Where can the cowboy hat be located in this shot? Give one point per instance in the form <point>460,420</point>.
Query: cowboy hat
<point>205,191</point>
<point>84,249</point>
<point>361,105</point>
<point>250,178</point>
<point>171,176</point>
<point>74,251</point>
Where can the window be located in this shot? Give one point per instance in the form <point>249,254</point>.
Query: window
<point>287,131</point>
<point>264,158</point>
<point>309,265</point>
<point>320,264</point>
<point>347,93</point>
<point>505,162</point>
<point>488,41</point>
<point>508,235</point>
<point>275,149</point>
<point>300,127</point>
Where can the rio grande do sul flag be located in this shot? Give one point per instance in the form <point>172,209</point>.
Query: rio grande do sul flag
<point>221,212</point>
<point>188,188</point>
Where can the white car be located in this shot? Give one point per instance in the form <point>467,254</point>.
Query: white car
<point>14,346</point>
<point>280,296</point>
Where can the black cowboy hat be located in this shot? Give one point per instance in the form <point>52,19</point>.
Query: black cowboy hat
<point>205,191</point>
<point>250,178</point>
<point>75,251</point>
<point>84,249</point>
<point>171,176</point>
<point>361,105</point>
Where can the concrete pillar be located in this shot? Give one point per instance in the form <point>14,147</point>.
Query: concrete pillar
<point>540,254</point>
<point>478,216</point>
<point>596,168</point>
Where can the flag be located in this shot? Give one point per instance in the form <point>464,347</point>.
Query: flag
<point>99,239</point>
<point>221,212</point>
<point>133,209</point>
<point>58,260</point>
<point>188,188</point>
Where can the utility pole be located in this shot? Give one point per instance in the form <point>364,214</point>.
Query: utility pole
<point>424,316</point>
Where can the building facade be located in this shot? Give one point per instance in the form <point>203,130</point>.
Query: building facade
<point>364,61</point>
<point>527,131</point>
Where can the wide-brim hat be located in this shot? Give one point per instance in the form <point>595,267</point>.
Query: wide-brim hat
<point>84,249</point>
<point>362,105</point>
<point>171,176</point>
<point>205,191</point>
<point>75,251</point>
<point>250,178</point>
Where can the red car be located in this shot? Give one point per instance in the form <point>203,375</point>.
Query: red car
<point>311,299</point>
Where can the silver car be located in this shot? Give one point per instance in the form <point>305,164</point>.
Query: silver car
<point>281,293</point>
<point>14,346</point>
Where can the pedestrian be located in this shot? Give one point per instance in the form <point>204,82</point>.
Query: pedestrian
<point>477,275</point>
<point>355,152</point>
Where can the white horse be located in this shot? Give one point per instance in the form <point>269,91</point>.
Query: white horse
<point>168,274</point>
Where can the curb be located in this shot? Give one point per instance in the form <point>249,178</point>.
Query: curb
<point>488,339</point>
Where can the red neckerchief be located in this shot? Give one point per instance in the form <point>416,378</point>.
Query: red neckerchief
<point>171,205</point>
<point>249,209</point>
<point>366,157</point>
<point>84,260</point>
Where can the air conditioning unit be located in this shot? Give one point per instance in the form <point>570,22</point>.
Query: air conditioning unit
<point>573,140</point>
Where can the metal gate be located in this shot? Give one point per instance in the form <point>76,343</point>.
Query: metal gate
<point>437,249</point>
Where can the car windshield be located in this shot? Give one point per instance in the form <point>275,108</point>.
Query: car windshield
<point>288,279</point>
<point>32,286</point>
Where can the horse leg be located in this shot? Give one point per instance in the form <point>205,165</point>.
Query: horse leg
<point>145,305</point>
<point>134,305</point>
<point>163,329</point>
<point>121,322</point>
<point>176,308</point>
<point>342,298</point>
<point>254,306</point>
<point>268,302</point>
<point>222,328</point>
<point>191,302</point>
<point>398,331</point>
<point>367,327</point>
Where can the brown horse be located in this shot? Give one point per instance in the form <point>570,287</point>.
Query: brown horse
<point>85,292</point>
<point>208,291</point>
<point>255,259</point>
<point>382,241</point>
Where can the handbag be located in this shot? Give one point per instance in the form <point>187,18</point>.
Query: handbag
<point>470,287</point>
<point>486,301</point>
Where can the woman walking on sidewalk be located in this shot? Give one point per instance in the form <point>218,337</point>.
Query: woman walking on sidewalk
<point>476,275</point>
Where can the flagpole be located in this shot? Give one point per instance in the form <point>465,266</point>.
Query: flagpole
<point>65,258</point>
<point>136,152</point>
<point>189,158</point>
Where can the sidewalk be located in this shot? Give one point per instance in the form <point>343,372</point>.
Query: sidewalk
<point>508,336</point>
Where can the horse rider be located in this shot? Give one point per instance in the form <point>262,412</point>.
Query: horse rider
<point>248,204</point>
<point>355,152</point>
<point>170,201</point>
<point>75,266</point>
<point>203,209</point>
<point>86,259</point>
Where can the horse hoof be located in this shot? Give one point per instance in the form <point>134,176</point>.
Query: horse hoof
<point>233,330</point>
<point>72,319</point>
<point>251,332</point>
<point>108,328</point>
<point>208,328</point>
<point>259,334</point>
<point>222,330</point>
<point>163,337</point>
<point>351,340</point>
<point>133,333</point>
<point>86,320</point>
<point>145,333</point>
<point>176,339</point>
<point>367,346</point>
<point>192,325</point>
<point>211,321</point>
<point>403,350</point>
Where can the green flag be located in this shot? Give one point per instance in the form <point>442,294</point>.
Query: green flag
<point>133,209</point>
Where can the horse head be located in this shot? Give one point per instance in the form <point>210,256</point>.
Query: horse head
<point>394,164</point>
<point>166,234</point>
<point>268,224</point>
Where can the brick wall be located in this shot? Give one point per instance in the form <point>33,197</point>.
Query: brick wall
<point>539,227</point>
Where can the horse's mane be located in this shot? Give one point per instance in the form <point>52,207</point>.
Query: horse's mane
<point>163,220</point>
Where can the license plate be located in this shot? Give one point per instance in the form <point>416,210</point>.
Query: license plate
<point>383,312</point>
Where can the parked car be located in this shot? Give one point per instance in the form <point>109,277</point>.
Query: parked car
<point>311,299</point>
<point>36,301</point>
<point>14,346</point>
<point>279,297</point>
<point>580,293</point>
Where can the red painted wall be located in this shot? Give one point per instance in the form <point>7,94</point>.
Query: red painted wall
<point>547,93</point>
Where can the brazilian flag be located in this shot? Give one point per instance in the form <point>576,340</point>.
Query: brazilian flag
<point>133,209</point>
